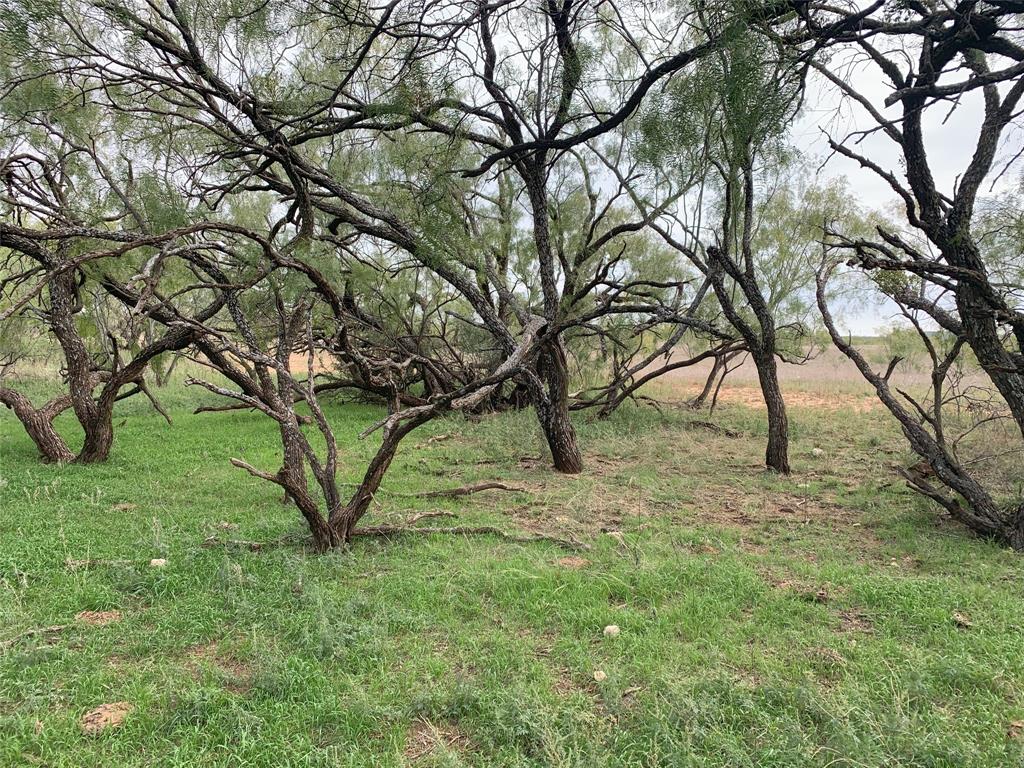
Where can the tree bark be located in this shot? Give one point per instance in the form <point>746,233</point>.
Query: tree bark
<point>95,417</point>
<point>344,520</point>
<point>553,414</point>
<point>979,323</point>
<point>777,453</point>
<point>99,435</point>
<point>38,424</point>
<point>1015,532</point>
<point>709,384</point>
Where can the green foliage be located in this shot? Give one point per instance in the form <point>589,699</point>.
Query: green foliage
<point>999,228</point>
<point>903,342</point>
<point>727,656</point>
<point>727,108</point>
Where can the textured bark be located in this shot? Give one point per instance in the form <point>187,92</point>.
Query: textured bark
<point>553,411</point>
<point>96,420</point>
<point>38,424</point>
<point>777,452</point>
<point>344,521</point>
<point>761,342</point>
<point>1015,532</point>
<point>99,435</point>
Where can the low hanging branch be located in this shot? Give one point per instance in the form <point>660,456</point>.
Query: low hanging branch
<point>272,389</point>
<point>967,501</point>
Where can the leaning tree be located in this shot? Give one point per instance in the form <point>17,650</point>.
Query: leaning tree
<point>73,238</point>
<point>931,61</point>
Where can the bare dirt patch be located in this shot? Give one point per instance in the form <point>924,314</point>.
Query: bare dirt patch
<point>802,590</point>
<point>751,397</point>
<point>854,621</point>
<point>237,674</point>
<point>830,382</point>
<point>98,618</point>
<point>425,737</point>
<point>564,684</point>
<point>105,716</point>
<point>726,506</point>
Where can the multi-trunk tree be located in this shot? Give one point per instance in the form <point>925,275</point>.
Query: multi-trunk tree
<point>69,248</point>
<point>932,60</point>
<point>456,206</point>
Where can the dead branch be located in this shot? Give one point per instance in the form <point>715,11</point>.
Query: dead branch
<point>4,645</point>
<point>388,531</point>
<point>427,515</point>
<point>712,427</point>
<point>465,490</point>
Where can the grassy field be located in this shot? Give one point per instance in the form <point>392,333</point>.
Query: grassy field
<point>827,619</point>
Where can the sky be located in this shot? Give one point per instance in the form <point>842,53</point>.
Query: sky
<point>950,138</point>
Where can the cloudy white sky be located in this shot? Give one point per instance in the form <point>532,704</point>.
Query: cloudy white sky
<point>951,137</point>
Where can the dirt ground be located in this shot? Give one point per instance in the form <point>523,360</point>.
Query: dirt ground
<point>829,381</point>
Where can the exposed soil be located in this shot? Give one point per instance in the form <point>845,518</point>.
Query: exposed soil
<point>425,737</point>
<point>98,618</point>
<point>105,716</point>
<point>237,674</point>
<point>854,621</point>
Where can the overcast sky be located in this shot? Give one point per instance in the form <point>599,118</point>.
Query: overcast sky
<point>950,142</point>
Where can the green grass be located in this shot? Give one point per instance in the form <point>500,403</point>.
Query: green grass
<point>765,621</point>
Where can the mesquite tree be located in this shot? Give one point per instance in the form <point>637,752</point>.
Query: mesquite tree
<point>714,144</point>
<point>931,61</point>
<point>536,82</point>
<point>56,246</point>
<point>276,328</point>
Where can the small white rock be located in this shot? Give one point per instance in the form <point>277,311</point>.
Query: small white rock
<point>817,452</point>
<point>612,630</point>
<point>157,562</point>
<point>600,676</point>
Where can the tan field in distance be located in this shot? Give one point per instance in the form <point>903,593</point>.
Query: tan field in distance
<point>829,381</point>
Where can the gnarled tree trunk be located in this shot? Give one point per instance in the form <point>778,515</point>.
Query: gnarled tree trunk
<point>38,424</point>
<point>553,410</point>
<point>343,521</point>
<point>777,452</point>
<point>96,418</point>
<point>99,434</point>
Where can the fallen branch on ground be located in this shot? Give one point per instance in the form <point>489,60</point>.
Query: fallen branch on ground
<point>465,490</point>
<point>436,439</point>
<point>714,428</point>
<point>30,633</point>
<point>426,515</point>
<point>252,546</point>
<point>481,530</point>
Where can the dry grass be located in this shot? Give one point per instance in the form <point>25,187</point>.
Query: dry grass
<point>425,737</point>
